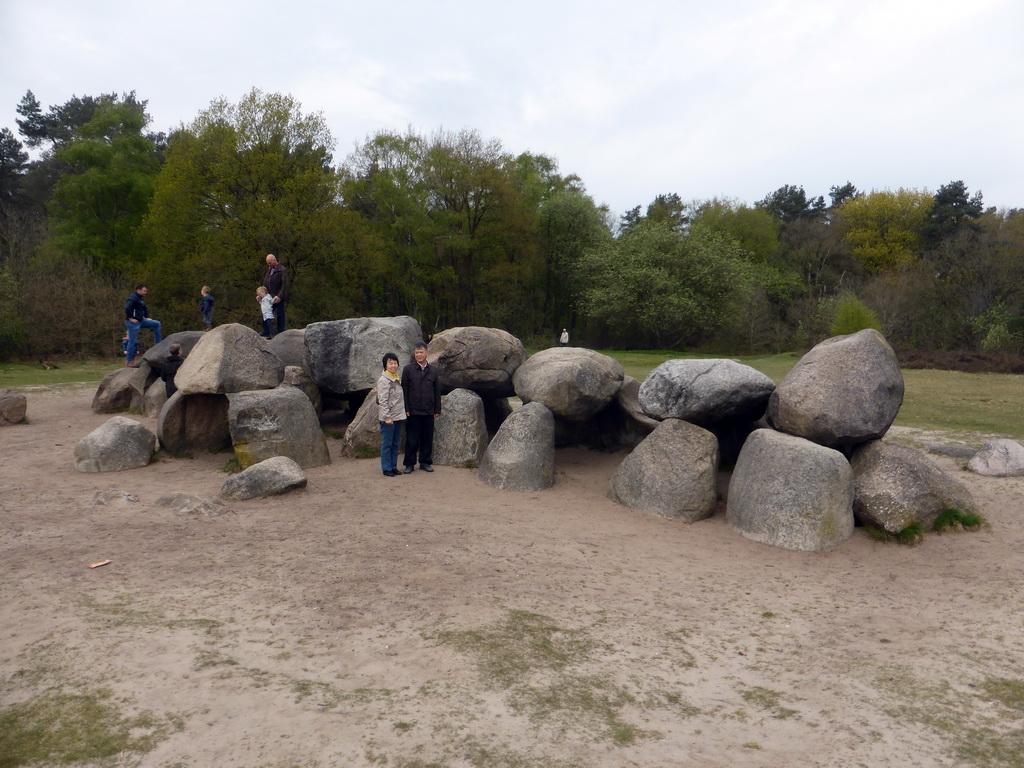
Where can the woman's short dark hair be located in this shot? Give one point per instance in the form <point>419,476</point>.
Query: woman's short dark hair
<point>388,356</point>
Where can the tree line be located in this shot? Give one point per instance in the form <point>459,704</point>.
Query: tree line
<point>453,229</point>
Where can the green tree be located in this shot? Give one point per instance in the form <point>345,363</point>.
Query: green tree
<point>790,203</point>
<point>656,287</point>
<point>99,202</point>
<point>953,210</point>
<point>852,315</point>
<point>248,179</point>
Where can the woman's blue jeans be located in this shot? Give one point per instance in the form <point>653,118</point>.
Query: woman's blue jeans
<point>390,435</point>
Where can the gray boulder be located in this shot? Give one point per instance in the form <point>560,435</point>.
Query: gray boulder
<point>896,485</point>
<point>13,406</point>
<point>275,422</point>
<point>290,347</point>
<point>362,438</point>
<point>194,423</point>
<point>624,421</point>
<point>155,356</point>
<point>154,399</point>
<point>847,390</point>
<point>270,477</point>
<point>791,493</point>
<point>672,473</point>
<point>479,359</point>
<point>121,443</point>
<point>230,358</point>
<point>343,356</point>
<point>521,457</point>
<point>572,382</point>
<point>460,436</point>
<point>140,380</point>
<point>998,458</point>
<point>115,392</point>
<point>296,376</point>
<point>705,391</point>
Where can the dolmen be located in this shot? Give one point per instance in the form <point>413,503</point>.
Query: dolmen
<point>812,462</point>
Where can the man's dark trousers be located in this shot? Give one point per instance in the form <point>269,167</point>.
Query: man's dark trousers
<point>279,314</point>
<point>419,436</point>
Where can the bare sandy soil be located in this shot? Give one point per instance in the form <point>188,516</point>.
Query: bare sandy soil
<point>430,620</point>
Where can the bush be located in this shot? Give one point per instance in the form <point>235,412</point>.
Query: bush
<point>852,316</point>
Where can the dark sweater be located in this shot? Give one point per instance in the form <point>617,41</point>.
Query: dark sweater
<point>135,307</point>
<point>171,365</point>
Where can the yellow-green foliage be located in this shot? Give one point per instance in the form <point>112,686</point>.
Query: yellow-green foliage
<point>852,316</point>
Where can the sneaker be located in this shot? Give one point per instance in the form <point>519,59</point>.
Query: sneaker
<point>131,365</point>
<point>407,471</point>
<point>426,468</point>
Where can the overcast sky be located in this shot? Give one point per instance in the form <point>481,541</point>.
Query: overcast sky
<point>730,98</point>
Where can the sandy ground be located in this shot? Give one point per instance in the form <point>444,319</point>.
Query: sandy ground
<point>430,620</point>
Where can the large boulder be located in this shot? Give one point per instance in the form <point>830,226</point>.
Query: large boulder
<point>847,390</point>
<point>13,406</point>
<point>705,391</point>
<point>154,399</point>
<point>194,423</point>
<point>896,485</point>
<point>460,432</point>
<point>115,392</point>
<point>791,493</point>
<point>230,358</point>
<point>998,458</point>
<point>296,376</point>
<point>121,443</point>
<point>672,473</point>
<point>276,422</point>
<point>521,457</point>
<point>290,347</point>
<point>572,382</point>
<point>362,438</point>
<point>479,359</point>
<point>343,356</point>
<point>155,356</point>
<point>270,477</point>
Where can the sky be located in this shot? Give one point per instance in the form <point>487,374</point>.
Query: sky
<point>718,98</point>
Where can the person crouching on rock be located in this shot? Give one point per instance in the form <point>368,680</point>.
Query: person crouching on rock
<point>391,402</point>
<point>172,363</point>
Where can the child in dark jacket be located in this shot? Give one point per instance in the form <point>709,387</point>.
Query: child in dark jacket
<point>171,365</point>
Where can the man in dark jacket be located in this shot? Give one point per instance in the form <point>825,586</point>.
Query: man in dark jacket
<point>276,283</point>
<point>136,317</point>
<point>422,405</point>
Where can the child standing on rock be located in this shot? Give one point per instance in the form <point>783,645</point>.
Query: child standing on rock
<point>206,307</point>
<point>266,311</point>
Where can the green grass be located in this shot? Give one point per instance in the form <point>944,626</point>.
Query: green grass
<point>56,727</point>
<point>15,375</point>
<point>954,519</point>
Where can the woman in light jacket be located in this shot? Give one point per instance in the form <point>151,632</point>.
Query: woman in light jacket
<point>391,402</point>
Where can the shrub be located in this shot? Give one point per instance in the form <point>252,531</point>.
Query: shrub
<point>851,316</point>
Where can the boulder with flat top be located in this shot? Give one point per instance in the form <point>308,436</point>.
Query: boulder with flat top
<point>344,356</point>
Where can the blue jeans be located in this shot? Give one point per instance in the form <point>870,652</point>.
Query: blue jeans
<point>133,335</point>
<point>390,435</point>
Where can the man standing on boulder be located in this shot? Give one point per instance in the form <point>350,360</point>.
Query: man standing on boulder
<point>276,283</point>
<point>422,405</point>
<point>136,317</point>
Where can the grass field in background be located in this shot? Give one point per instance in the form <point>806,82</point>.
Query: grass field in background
<point>988,403</point>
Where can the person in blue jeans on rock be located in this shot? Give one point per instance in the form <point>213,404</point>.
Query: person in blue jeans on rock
<point>136,317</point>
<point>391,402</point>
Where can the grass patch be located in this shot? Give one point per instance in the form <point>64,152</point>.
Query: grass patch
<point>57,727</point>
<point>768,700</point>
<point>334,434</point>
<point>911,535</point>
<point>232,466</point>
<point>954,519</point>
<point>69,372</point>
<point>367,453</point>
<point>532,659</point>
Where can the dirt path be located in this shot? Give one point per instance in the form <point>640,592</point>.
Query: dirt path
<point>433,621</point>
